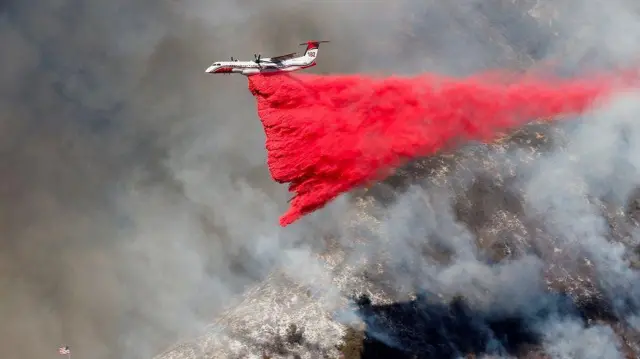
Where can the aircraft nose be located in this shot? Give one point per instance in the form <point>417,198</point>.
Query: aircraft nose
<point>209,69</point>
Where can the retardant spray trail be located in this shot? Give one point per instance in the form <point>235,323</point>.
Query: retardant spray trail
<point>329,134</point>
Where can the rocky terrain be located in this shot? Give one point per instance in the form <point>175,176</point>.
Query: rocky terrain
<point>502,236</point>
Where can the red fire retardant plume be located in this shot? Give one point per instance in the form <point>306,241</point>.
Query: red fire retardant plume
<point>329,134</point>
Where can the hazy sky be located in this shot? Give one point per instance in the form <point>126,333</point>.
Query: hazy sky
<point>135,197</point>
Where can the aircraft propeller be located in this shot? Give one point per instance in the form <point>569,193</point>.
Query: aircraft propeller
<point>257,59</point>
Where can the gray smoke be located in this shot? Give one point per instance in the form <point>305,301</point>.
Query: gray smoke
<point>136,202</point>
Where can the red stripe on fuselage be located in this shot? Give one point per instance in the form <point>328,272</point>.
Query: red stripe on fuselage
<point>223,70</point>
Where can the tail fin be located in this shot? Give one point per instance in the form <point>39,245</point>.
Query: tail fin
<point>312,48</point>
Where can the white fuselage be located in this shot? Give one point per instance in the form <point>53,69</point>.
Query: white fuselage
<point>265,66</point>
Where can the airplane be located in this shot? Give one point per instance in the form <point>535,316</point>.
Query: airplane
<point>269,65</point>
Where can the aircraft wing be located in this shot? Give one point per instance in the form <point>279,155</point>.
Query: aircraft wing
<point>282,57</point>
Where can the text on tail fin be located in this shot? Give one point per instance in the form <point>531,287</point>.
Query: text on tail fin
<point>312,48</point>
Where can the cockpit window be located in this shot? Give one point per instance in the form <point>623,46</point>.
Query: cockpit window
<point>216,64</point>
